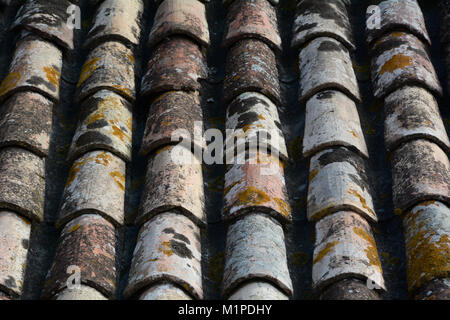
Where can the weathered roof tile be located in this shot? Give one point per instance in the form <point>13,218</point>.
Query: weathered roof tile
<point>252,19</point>
<point>87,242</point>
<point>254,121</point>
<point>83,293</point>
<point>338,181</point>
<point>413,113</point>
<point>427,229</point>
<point>172,117</point>
<point>322,18</point>
<point>97,72</point>
<point>48,19</point>
<point>14,242</point>
<point>176,64</point>
<point>324,63</point>
<point>402,15</point>
<point>105,124</point>
<point>22,182</point>
<point>258,290</point>
<point>116,20</point>
<point>400,59</point>
<point>168,249</point>
<point>255,250</point>
<point>96,184</point>
<point>26,121</point>
<point>349,289</point>
<point>164,291</point>
<point>174,181</point>
<point>180,17</point>
<point>256,183</point>
<point>345,248</point>
<point>420,172</point>
<point>332,119</point>
<point>36,66</point>
<point>251,66</point>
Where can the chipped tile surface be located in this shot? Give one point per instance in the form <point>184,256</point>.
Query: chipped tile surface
<point>168,248</point>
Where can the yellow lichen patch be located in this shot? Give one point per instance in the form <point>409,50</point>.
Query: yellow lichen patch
<point>166,248</point>
<point>362,200</point>
<point>103,158</point>
<point>53,76</point>
<point>322,253</point>
<point>119,178</point>
<point>427,259</point>
<point>119,133</point>
<point>261,117</point>
<point>235,78</point>
<point>312,175</point>
<point>397,34</point>
<point>98,115</point>
<point>398,211</point>
<point>283,207</point>
<point>74,228</point>
<point>398,61</point>
<point>87,70</point>
<point>73,173</point>
<point>252,196</point>
<point>353,132</point>
<point>131,58</point>
<point>9,82</point>
<point>371,249</point>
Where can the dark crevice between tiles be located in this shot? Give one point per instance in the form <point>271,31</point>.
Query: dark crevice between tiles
<point>214,236</point>
<point>137,168</point>
<point>44,236</point>
<point>300,234</point>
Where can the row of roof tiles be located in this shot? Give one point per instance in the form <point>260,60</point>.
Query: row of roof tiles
<point>167,258</point>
